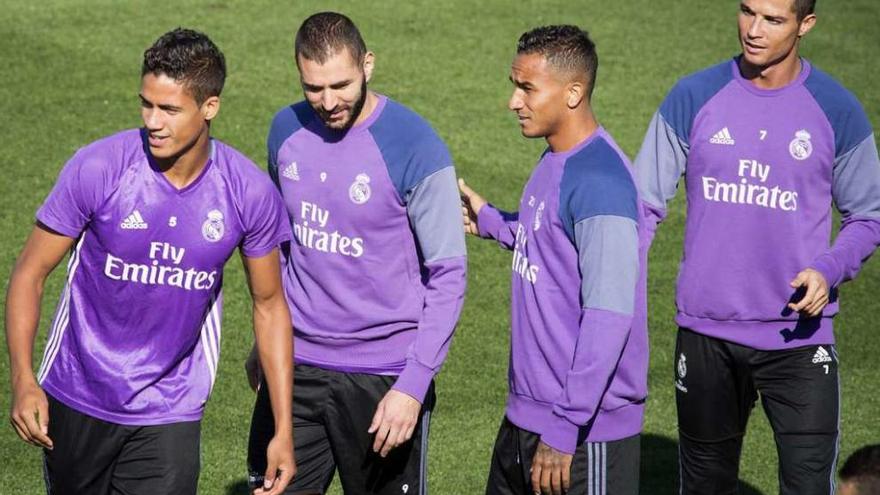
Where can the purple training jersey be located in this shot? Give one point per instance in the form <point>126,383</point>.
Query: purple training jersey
<point>377,271</point>
<point>579,343</point>
<point>136,335</point>
<point>762,168</point>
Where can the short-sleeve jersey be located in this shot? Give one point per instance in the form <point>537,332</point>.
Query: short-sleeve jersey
<point>136,335</point>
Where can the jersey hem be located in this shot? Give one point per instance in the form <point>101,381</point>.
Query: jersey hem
<point>760,335</point>
<point>607,426</point>
<point>122,419</point>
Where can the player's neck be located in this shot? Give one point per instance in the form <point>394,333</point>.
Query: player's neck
<point>577,127</point>
<point>185,168</point>
<point>774,76</point>
<point>370,103</point>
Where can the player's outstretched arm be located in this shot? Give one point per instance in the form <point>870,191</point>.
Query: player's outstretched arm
<point>274,344</point>
<point>42,252</point>
<point>481,219</point>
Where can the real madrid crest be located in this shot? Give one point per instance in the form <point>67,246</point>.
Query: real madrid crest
<point>359,192</point>
<point>212,229</point>
<point>538,214</point>
<point>800,147</point>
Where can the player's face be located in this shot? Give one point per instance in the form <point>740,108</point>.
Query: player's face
<point>539,95</point>
<point>336,89</point>
<point>769,31</point>
<point>172,118</point>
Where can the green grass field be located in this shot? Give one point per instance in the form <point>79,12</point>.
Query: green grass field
<point>70,74</point>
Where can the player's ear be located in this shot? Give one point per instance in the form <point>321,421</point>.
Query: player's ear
<point>806,24</point>
<point>210,107</point>
<point>575,94</point>
<point>369,59</point>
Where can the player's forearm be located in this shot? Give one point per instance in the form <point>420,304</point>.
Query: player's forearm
<point>22,319</point>
<point>274,342</point>
<point>444,296</point>
<point>603,337</point>
<point>857,240</point>
<point>498,225</point>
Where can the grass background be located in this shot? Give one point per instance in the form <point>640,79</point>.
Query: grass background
<point>70,74</point>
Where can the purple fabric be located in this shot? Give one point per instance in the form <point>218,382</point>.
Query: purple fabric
<point>136,336</point>
<point>759,193</point>
<point>575,373</point>
<point>361,295</point>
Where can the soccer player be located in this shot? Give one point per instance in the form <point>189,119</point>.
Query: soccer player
<point>766,142</point>
<point>150,217</point>
<point>860,474</point>
<point>376,274</point>
<point>579,345</point>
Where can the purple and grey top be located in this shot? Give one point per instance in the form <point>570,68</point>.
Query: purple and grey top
<point>761,170</point>
<point>579,343</point>
<point>376,275</point>
<point>136,335</point>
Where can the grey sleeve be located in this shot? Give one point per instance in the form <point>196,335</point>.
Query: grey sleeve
<point>434,210</point>
<point>608,255</point>
<point>856,180</point>
<point>660,162</point>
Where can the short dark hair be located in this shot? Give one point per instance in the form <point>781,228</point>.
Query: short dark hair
<point>189,57</point>
<point>862,468</point>
<point>566,47</point>
<point>803,8</point>
<point>325,34</point>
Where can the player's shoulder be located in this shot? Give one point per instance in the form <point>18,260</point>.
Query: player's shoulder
<point>841,107</point>
<point>112,154</point>
<point>240,170</point>
<point>288,121</point>
<point>699,87</point>
<point>597,180</point>
<point>401,124</point>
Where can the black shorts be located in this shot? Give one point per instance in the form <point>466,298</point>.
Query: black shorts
<point>598,468</point>
<point>332,412</point>
<point>94,457</point>
<point>717,384</point>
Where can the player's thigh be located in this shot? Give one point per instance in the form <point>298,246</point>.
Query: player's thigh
<point>511,458</point>
<point>800,394</point>
<point>314,457</point>
<point>159,459</point>
<point>355,397</point>
<point>607,467</point>
<point>714,393</point>
<point>85,450</point>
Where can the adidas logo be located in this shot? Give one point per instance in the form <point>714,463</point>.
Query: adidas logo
<point>722,137</point>
<point>291,171</point>
<point>821,356</point>
<point>134,221</point>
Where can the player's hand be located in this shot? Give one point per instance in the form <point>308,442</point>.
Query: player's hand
<point>816,296</point>
<point>280,466</point>
<point>29,414</point>
<point>253,370</point>
<point>394,422</point>
<point>471,204</point>
<point>551,471</point>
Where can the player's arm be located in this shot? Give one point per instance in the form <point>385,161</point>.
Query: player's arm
<point>662,158</point>
<point>274,345</point>
<point>42,252</point>
<point>433,209</point>
<point>484,220</point>
<point>855,189</point>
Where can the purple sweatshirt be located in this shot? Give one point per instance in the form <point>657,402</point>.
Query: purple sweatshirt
<point>579,343</point>
<point>136,335</point>
<point>761,169</point>
<point>377,273</point>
